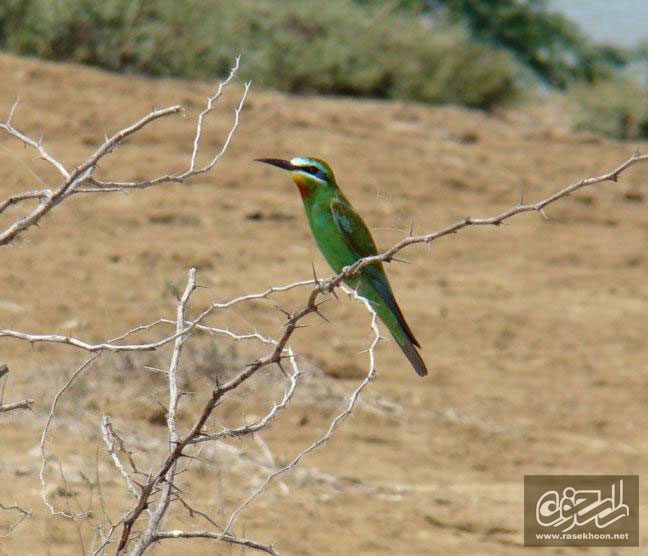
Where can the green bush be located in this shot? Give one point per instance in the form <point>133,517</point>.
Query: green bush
<point>120,35</point>
<point>299,46</point>
<point>617,108</point>
<point>543,40</point>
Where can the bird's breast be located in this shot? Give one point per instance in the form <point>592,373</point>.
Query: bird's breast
<point>327,236</point>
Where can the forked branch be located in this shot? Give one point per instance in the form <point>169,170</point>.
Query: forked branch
<point>82,180</point>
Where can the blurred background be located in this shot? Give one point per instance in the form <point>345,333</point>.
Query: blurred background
<point>475,53</point>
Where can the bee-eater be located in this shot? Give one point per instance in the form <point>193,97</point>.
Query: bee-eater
<point>343,238</point>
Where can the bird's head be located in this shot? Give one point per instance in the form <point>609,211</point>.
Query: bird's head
<point>310,174</point>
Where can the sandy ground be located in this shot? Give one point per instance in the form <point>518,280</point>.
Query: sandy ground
<point>534,332</point>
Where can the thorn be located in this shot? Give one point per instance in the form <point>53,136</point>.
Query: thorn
<point>140,485</point>
<point>295,326</point>
<point>398,260</point>
<point>316,311</point>
<point>411,228</point>
<point>541,211</point>
<point>614,177</point>
<point>174,290</point>
<point>315,277</point>
<point>521,198</point>
<point>278,362</point>
<point>173,486</point>
<point>289,315</point>
<point>187,456</point>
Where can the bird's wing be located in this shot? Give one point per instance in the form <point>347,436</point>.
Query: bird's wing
<point>353,230</point>
<point>357,237</point>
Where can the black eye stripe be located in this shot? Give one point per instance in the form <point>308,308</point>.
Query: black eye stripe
<point>313,171</point>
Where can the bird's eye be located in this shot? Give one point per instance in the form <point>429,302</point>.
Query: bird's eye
<point>314,170</point>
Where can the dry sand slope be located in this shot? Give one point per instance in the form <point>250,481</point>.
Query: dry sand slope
<point>534,332</point>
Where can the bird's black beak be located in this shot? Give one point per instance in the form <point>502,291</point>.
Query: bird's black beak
<point>278,162</point>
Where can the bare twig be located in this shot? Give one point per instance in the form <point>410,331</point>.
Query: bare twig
<point>37,145</point>
<point>74,342</point>
<point>110,439</point>
<point>250,428</point>
<point>50,417</point>
<point>193,169</point>
<point>23,404</point>
<point>77,180</point>
<point>156,516</point>
<point>177,534</point>
<point>50,198</point>
<point>337,421</point>
<point>201,117</point>
<point>113,346</point>
<point>19,197</point>
<point>24,514</point>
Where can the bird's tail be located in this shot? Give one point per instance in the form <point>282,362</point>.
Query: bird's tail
<point>391,314</point>
<point>414,358</point>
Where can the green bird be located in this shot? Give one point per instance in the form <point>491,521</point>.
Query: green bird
<point>343,238</point>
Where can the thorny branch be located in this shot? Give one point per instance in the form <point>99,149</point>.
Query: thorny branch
<point>114,346</point>
<point>77,180</point>
<point>177,534</point>
<point>112,441</point>
<point>23,404</point>
<point>43,441</point>
<point>4,407</point>
<point>488,221</point>
<point>24,514</point>
<point>50,198</point>
<point>337,421</point>
<point>174,396</point>
<point>81,180</point>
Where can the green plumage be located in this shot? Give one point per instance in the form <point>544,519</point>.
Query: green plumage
<point>343,238</point>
